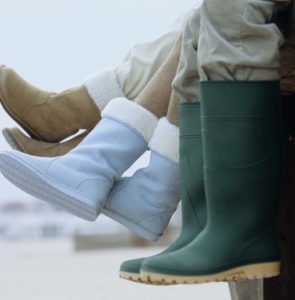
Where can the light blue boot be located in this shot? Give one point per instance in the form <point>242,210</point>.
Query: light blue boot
<point>145,202</point>
<point>80,181</point>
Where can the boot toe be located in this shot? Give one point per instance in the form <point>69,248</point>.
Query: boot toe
<point>29,174</point>
<point>132,266</point>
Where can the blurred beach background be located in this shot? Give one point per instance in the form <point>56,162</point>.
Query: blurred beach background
<point>46,253</point>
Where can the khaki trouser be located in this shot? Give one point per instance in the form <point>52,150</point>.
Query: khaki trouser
<point>144,60</point>
<point>238,41</point>
<point>185,84</point>
<point>232,40</point>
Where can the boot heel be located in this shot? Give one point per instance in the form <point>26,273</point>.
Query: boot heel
<point>257,271</point>
<point>11,140</point>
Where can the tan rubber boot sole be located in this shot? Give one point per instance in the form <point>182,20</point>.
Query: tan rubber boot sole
<point>135,277</point>
<point>256,271</point>
<point>12,141</point>
<point>19,141</point>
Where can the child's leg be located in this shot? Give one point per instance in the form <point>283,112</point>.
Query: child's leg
<point>81,180</point>
<point>154,97</point>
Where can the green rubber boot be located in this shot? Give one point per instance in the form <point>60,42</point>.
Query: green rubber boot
<point>192,187</point>
<point>243,159</point>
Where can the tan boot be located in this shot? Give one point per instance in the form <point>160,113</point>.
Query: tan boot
<point>19,141</point>
<point>46,116</point>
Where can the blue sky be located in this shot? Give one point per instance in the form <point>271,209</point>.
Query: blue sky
<point>55,44</point>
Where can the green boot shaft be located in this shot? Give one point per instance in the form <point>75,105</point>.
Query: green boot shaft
<point>243,160</point>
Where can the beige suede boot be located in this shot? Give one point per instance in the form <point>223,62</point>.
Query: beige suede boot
<point>21,142</point>
<point>52,117</point>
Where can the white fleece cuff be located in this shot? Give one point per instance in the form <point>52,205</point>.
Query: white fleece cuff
<point>103,87</point>
<point>165,140</point>
<point>133,115</point>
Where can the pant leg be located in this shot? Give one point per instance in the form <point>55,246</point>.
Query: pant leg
<point>143,61</point>
<point>137,69</point>
<point>185,84</point>
<point>238,41</point>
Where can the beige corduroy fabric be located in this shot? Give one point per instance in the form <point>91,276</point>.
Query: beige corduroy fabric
<point>156,95</point>
<point>173,109</point>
